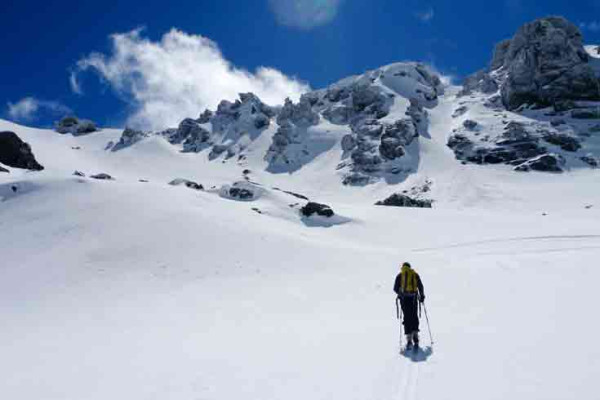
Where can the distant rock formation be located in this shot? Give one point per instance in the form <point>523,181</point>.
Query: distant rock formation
<point>544,62</point>
<point>16,153</point>
<point>75,126</point>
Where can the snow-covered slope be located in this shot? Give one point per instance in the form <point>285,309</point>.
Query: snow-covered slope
<point>138,290</point>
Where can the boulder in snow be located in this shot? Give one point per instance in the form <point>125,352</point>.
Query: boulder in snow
<point>312,208</point>
<point>242,191</point>
<point>16,153</point>
<point>402,200</point>
<point>75,126</point>
<point>186,183</point>
<point>102,177</point>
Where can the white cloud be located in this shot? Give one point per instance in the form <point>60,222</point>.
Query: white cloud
<point>593,26</point>
<point>426,16</point>
<point>28,108</point>
<point>304,14</point>
<point>178,77</point>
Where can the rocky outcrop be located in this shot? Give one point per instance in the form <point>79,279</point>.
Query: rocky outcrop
<point>545,62</point>
<point>241,191</point>
<point>543,163</point>
<point>312,208</point>
<point>514,146</point>
<point>16,153</point>
<point>75,126</point>
<point>129,137</point>
<point>480,81</point>
<point>2,169</point>
<point>402,200</point>
<point>187,183</point>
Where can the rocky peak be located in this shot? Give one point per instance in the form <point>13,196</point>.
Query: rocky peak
<point>544,62</point>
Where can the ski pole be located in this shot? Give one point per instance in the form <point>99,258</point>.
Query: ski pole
<point>428,326</point>
<point>398,315</point>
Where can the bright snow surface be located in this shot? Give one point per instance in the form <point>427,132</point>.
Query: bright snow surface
<point>131,290</point>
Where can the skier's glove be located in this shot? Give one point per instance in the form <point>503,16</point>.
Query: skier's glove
<point>422,298</point>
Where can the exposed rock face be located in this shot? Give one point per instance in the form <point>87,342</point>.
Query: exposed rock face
<point>480,81</point>
<point>312,208</point>
<point>16,153</point>
<point>500,53</point>
<point>75,126</point>
<point>186,183</point>
<point>564,141</point>
<point>544,62</point>
<point>514,146</point>
<point>401,200</point>
<point>544,163</point>
<point>129,137</point>
<point>4,169</point>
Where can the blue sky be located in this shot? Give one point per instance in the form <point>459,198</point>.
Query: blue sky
<point>142,77</point>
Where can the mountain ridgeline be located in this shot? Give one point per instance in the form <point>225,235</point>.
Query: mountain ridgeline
<point>536,107</point>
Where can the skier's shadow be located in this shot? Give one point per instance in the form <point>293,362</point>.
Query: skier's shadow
<point>419,355</point>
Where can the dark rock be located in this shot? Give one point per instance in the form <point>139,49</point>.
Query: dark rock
<point>500,53</point>
<point>480,81</point>
<point>391,148</point>
<point>470,124</point>
<point>128,138</point>
<point>79,173</point>
<point>563,105</point>
<point>205,117</point>
<point>566,142</point>
<point>546,62</point>
<point>460,111</point>
<point>240,193</point>
<point>301,114</point>
<point>544,163</point>
<point>312,208</point>
<point>4,169</point>
<point>102,176</point>
<point>348,143</point>
<point>401,200</point>
<point>75,126</point>
<point>16,153</point>
<point>557,122</point>
<point>590,160</point>
<point>186,183</point>
<point>585,114</point>
<point>356,179</point>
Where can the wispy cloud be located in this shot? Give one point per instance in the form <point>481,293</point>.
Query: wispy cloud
<point>178,76</point>
<point>304,14</point>
<point>425,16</point>
<point>593,26</point>
<point>29,108</point>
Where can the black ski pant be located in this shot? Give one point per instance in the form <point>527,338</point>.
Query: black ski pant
<point>410,305</point>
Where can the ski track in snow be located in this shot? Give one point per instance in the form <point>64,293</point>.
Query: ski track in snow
<point>514,239</point>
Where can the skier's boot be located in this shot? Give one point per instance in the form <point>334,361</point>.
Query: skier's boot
<point>409,342</point>
<point>415,336</point>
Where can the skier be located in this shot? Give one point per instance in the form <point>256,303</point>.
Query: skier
<point>409,288</point>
